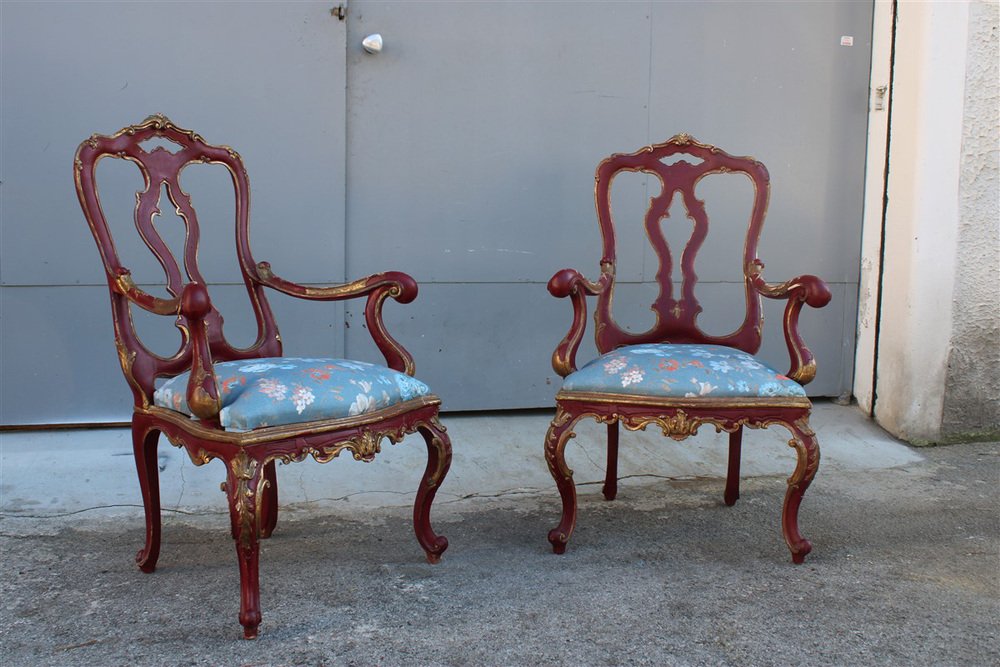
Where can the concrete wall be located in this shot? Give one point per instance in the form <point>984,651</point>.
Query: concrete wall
<point>972,383</point>
<point>939,307</point>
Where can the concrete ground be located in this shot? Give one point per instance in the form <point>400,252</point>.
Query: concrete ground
<point>904,568</point>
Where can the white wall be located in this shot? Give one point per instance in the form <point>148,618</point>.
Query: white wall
<point>925,252</point>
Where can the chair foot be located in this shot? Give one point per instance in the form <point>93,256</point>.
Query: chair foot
<point>558,541</point>
<point>560,431</point>
<point>799,557</point>
<point>806,446</point>
<point>434,557</point>
<point>438,463</point>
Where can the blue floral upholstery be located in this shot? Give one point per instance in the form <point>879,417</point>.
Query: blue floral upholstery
<point>286,390</point>
<point>681,371</point>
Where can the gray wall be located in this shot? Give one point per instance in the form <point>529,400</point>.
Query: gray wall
<point>266,78</point>
<point>473,139</point>
<point>463,154</point>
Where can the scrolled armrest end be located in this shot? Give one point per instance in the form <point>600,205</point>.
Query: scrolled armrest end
<point>404,289</point>
<point>564,282</point>
<point>817,292</point>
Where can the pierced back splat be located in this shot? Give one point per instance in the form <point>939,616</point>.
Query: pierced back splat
<point>679,164</point>
<point>161,151</point>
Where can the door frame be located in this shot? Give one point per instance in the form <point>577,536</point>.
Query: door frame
<point>873,223</point>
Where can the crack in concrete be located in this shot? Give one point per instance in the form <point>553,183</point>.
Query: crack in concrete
<point>522,491</point>
<point>5,515</point>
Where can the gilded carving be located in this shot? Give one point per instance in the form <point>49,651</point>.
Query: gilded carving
<point>808,454</point>
<point>264,271</point>
<point>560,432</point>
<point>434,478</point>
<point>437,425</point>
<point>126,358</point>
<point>198,457</point>
<point>677,426</point>
<point>202,403</point>
<point>805,372</point>
<point>363,447</point>
<point>247,506</point>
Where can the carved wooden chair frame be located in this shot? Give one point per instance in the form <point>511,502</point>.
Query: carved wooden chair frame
<point>249,457</point>
<point>676,322</point>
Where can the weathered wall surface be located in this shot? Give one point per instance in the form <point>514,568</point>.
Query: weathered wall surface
<point>972,387</point>
<point>921,218</point>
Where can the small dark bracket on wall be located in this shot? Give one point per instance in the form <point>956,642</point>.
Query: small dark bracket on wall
<point>340,11</point>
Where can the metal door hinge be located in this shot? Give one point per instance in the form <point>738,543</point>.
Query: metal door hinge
<point>340,11</point>
<point>880,97</point>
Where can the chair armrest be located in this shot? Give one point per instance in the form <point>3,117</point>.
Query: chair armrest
<point>202,391</point>
<point>122,283</point>
<point>377,288</point>
<point>806,289</point>
<point>569,282</point>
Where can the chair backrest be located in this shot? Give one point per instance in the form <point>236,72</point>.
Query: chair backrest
<point>161,169</point>
<point>676,314</point>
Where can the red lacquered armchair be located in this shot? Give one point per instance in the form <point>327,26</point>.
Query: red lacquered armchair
<point>675,376</point>
<point>248,407</point>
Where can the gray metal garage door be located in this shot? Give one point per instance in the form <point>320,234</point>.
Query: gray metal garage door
<point>474,135</point>
<point>467,147</point>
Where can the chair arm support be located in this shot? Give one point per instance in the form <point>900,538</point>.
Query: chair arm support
<point>202,391</point>
<point>377,288</point>
<point>122,283</point>
<point>805,289</point>
<point>571,283</point>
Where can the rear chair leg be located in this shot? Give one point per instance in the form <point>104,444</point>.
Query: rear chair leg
<point>269,501</point>
<point>611,476</point>
<point>144,444</point>
<point>733,474</point>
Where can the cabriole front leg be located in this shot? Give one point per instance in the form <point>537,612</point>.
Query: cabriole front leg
<point>438,462</point>
<point>243,490</point>
<point>806,446</point>
<point>144,443</point>
<point>560,431</point>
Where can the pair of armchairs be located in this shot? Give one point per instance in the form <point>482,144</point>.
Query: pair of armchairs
<point>252,407</point>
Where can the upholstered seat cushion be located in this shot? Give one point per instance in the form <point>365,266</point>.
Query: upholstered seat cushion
<point>681,371</point>
<point>287,390</point>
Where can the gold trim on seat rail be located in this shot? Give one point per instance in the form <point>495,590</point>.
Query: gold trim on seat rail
<point>685,402</point>
<point>272,433</point>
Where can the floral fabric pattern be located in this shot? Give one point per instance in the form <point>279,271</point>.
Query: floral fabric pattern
<point>285,390</point>
<point>682,371</point>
